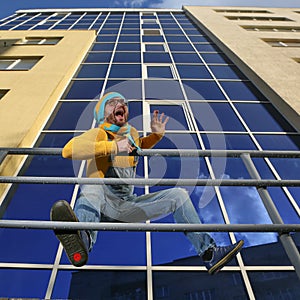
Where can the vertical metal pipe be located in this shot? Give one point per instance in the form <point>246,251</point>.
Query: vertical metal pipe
<point>285,238</point>
<point>2,155</point>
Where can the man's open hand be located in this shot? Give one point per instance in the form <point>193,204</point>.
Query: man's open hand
<point>158,123</point>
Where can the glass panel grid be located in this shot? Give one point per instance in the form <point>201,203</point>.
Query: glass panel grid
<point>203,70</point>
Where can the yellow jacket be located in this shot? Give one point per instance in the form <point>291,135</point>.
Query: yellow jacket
<point>98,146</point>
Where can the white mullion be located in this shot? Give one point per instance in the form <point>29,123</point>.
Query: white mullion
<point>8,20</point>
<point>96,19</point>
<point>77,21</point>
<point>211,171</point>
<point>14,19</point>
<point>12,65</point>
<point>104,21</point>
<point>58,21</point>
<point>43,22</point>
<point>146,112</point>
<point>24,22</point>
<point>112,55</point>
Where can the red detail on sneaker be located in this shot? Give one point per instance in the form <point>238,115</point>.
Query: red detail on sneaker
<point>77,256</point>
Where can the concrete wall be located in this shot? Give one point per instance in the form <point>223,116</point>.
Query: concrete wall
<point>274,70</point>
<point>33,94</point>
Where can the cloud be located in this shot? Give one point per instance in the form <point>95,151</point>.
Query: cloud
<point>243,206</point>
<point>130,3</point>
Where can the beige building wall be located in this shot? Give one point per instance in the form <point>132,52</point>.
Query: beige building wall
<point>274,70</point>
<point>33,94</point>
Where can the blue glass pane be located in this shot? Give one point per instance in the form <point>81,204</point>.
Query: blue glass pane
<point>244,206</point>
<point>73,115</point>
<point>169,25</point>
<point>159,72</point>
<point>153,47</point>
<point>113,31</point>
<point>206,48</point>
<point>84,89</point>
<point>156,57</point>
<point>172,31</point>
<point>125,71</point>
<point>262,168</point>
<point>32,246</point>
<point>187,58</point>
<point>279,142</point>
<point>130,31</point>
<point>129,38</point>
<point>153,38</point>
<point>177,120</point>
<point>185,285</point>
<point>136,114</point>
<point>199,90</point>
<point>177,38</point>
<point>216,117</point>
<point>53,140</point>
<point>229,168</point>
<point>163,89</point>
<point>214,58</point>
<point>227,72</point>
<point>92,71</point>
<point>228,141</point>
<point>128,47</point>
<point>295,192</point>
<point>81,26</point>
<point>284,207</point>
<point>287,168</point>
<point>100,284</point>
<point>22,283</point>
<point>107,38</point>
<point>131,89</point>
<point>279,283</point>
<point>193,71</point>
<point>178,141</point>
<point>199,39</point>
<point>103,47</point>
<point>107,249</point>
<point>127,57</point>
<point>98,57</point>
<point>263,117</point>
<point>185,47</point>
<point>237,90</point>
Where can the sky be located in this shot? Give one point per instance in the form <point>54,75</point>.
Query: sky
<point>8,7</point>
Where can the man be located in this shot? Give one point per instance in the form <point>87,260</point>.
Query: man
<point>101,148</point>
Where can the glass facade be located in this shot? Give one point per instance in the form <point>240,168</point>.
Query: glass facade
<point>158,60</point>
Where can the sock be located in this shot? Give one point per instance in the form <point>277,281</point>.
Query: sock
<point>208,254</point>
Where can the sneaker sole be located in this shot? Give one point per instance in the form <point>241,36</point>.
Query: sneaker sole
<point>226,259</point>
<point>70,239</point>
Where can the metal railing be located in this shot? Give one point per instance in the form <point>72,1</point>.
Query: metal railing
<point>278,225</point>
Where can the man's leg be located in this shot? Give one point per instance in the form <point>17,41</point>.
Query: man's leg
<point>77,243</point>
<point>177,201</point>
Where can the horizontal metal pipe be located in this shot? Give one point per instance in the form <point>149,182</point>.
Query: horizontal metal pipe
<point>165,227</point>
<point>167,152</point>
<point>150,181</point>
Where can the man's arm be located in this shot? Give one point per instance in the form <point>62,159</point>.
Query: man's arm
<point>158,126</point>
<point>89,145</point>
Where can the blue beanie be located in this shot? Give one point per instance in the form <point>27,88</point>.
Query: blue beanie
<point>100,106</point>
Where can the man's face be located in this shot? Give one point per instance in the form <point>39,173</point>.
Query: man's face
<point>116,112</point>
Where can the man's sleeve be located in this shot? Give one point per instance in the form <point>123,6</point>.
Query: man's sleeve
<point>151,140</point>
<point>89,145</point>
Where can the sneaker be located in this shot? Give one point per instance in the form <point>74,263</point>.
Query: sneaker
<point>75,242</point>
<point>221,256</point>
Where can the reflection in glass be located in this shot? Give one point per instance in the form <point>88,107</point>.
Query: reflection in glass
<point>275,284</point>
<point>20,283</point>
<point>197,285</point>
<point>103,285</point>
